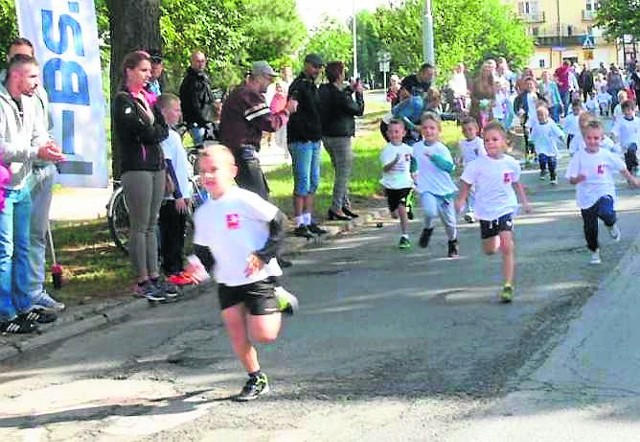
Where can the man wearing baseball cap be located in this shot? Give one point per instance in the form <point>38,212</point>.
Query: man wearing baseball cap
<point>245,115</point>
<point>304,133</point>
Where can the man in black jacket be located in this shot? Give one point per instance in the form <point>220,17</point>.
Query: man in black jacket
<point>304,133</point>
<point>196,98</point>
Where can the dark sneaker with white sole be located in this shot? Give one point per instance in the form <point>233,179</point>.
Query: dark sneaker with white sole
<point>256,386</point>
<point>18,326</point>
<point>39,314</point>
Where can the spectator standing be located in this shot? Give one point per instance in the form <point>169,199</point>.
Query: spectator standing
<point>286,77</point>
<point>549,91</point>
<point>615,83</point>
<point>23,138</point>
<point>459,86</point>
<point>483,91</point>
<point>421,81</point>
<point>157,81</point>
<point>393,90</point>
<point>339,104</point>
<point>196,98</point>
<point>41,185</point>
<point>586,82</point>
<point>564,85</point>
<point>303,136</point>
<point>140,128</point>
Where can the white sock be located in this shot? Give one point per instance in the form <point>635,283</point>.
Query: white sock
<point>405,235</point>
<point>300,220</point>
<point>307,218</point>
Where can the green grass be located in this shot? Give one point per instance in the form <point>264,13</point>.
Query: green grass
<point>95,269</point>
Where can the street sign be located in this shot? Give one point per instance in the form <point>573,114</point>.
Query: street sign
<point>587,43</point>
<point>384,66</point>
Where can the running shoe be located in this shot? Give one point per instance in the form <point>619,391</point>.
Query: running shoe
<point>404,243</point>
<point>316,229</point>
<point>453,249</point>
<point>614,232</point>
<point>149,291</point>
<point>554,181</point>
<point>18,326</point>
<point>43,299</point>
<point>303,231</point>
<point>169,289</point>
<point>595,258</point>
<point>506,293</point>
<point>425,237</point>
<point>287,301</point>
<point>39,315</point>
<point>470,217</point>
<point>543,175</point>
<point>256,386</point>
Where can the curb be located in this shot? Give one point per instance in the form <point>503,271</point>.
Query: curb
<point>79,320</point>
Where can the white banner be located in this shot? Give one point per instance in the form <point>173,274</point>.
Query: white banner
<point>65,38</point>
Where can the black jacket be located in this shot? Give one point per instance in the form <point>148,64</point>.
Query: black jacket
<point>139,138</point>
<point>305,123</point>
<point>337,109</point>
<point>196,98</point>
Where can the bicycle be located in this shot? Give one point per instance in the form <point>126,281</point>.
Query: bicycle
<point>118,214</point>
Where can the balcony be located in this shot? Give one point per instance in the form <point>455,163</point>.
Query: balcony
<point>555,40</point>
<point>588,15</point>
<point>533,17</point>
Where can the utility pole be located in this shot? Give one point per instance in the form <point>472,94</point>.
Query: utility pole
<point>428,52</point>
<point>355,45</point>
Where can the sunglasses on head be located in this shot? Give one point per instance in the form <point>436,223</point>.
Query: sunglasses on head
<point>155,59</point>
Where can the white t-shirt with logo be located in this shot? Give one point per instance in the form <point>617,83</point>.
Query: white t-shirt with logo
<point>571,126</point>
<point>399,177</point>
<point>578,144</point>
<point>234,226</point>
<point>598,168</point>
<point>627,131</point>
<point>493,179</point>
<point>545,138</point>
<point>471,149</point>
<point>430,178</point>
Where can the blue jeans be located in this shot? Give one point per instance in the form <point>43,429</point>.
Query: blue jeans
<point>548,160</point>
<point>14,254</point>
<point>305,157</point>
<point>42,184</point>
<point>565,96</point>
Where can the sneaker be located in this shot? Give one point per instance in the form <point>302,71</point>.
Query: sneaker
<point>182,278</point>
<point>316,229</point>
<point>287,301</point>
<point>149,291</point>
<point>425,237</point>
<point>39,315</point>
<point>18,326</point>
<point>303,232</point>
<point>595,258</point>
<point>169,289</point>
<point>543,175</point>
<point>255,386</point>
<point>404,243</point>
<point>43,299</point>
<point>453,249</point>
<point>614,232</point>
<point>506,293</point>
<point>554,181</point>
<point>470,217</point>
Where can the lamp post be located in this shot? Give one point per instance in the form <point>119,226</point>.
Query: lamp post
<point>427,32</point>
<point>355,45</point>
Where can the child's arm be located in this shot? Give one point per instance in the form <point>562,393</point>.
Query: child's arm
<point>522,195</point>
<point>462,196</point>
<point>442,163</point>
<point>389,166</point>
<point>259,258</point>
<point>632,180</point>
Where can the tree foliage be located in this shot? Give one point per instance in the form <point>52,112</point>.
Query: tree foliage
<point>332,40</point>
<point>464,31</point>
<point>8,26</point>
<point>619,17</point>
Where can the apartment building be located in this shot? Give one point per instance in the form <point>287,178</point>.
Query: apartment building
<point>565,29</point>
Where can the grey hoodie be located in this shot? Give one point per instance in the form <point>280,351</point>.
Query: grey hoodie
<point>20,138</point>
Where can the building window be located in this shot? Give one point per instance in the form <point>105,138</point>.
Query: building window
<point>541,63</point>
<point>535,31</point>
<point>591,6</point>
<point>569,31</point>
<point>528,7</point>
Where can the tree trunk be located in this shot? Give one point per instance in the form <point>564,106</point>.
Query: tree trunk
<point>133,24</point>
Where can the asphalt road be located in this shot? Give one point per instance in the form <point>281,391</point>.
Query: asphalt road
<point>388,345</point>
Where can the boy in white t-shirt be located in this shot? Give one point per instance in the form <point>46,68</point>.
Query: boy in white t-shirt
<point>434,183</point>
<point>591,170</point>
<point>571,125</point>
<point>592,104</point>
<point>471,147</point>
<point>495,177</point>
<point>176,204</point>
<point>604,101</point>
<point>238,234</point>
<point>545,136</point>
<point>626,131</point>
<point>578,144</point>
<point>617,110</point>
<point>396,177</point>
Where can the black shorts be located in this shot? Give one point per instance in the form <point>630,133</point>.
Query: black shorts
<point>395,197</point>
<point>489,229</point>
<point>258,297</point>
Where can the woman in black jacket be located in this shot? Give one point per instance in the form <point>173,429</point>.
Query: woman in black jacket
<point>337,111</point>
<point>140,128</point>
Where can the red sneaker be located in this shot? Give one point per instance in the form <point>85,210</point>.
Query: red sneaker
<point>182,278</point>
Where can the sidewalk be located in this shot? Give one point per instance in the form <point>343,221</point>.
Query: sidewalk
<point>80,319</point>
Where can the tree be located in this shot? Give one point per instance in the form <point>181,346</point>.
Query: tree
<point>619,18</point>
<point>368,46</point>
<point>332,40</point>
<point>8,26</point>
<point>133,25</point>
<point>464,31</point>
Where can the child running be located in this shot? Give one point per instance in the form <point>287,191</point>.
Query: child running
<point>626,131</point>
<point>396,177</point>
<point>545,136</point>
<point>238,234</point>
<point>470,148</point>
<point>495,176</point>
<point>434,183</point>
<point>591,170</point>
<point>571,126</point>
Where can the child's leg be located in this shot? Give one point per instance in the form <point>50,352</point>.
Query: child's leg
<point>235,322</point>
<point>508,255</point>
<point>552,161</point>
<point>590,226</point>
<point>448,216</point>
<point>402,216</point>
<point>491,245</point>
<point>606,211</point>
<point>542,162</point>
<point>430,209</point>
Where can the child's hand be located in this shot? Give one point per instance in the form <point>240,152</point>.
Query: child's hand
<point>254,264</point>
<point>459,205</point>
<point>580,178</point>
<point>182,205</point>
<point>526,206</point>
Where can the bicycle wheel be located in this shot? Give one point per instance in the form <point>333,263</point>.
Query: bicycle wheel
<point>118,220</point>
